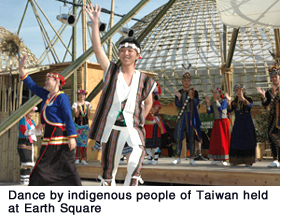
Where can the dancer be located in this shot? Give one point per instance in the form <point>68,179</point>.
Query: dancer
<point>188,122</point>
<point>27,134</point>
<point>56,162</point>
<point>243,138</point>
<point>272,98</point>
<point>220,136</point>
<point>125,102</point>
<point>82,113</point>
<point>154,128</point>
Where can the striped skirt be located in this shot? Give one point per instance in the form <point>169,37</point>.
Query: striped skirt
<point>56,162</point>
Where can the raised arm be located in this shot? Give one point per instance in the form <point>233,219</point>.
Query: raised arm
<point>31,85</point>
<point>94,15</point>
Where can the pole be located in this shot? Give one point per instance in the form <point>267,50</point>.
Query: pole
<point>85,46</point>
<point>111,25</point>
<point>74,81</point>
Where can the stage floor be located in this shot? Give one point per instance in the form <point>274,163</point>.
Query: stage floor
<point>203,173</point>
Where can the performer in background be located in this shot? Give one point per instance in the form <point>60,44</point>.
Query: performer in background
<point>125,102</point>
<point>188,122</point>
<point>243,137</point>
<point>82,113</point>
<point>220,136</point>
<point>56,162</point>
<point>27,134</point>
<point>272,97</point>
<point>154,128</point>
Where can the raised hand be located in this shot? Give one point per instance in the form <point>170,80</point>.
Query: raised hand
<point>21,65</point>
<point>207,99</point>
<point>94,13</point>
<point>228,97</point>
<point>22,61</point>
<point>261,91</point>
<point>178,94</point>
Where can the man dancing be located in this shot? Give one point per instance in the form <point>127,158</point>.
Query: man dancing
<point>125,101</point>
<point>189,123</point>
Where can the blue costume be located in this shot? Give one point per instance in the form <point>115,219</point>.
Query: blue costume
<point>188,122</point>
<point>243,138</point>
<point>56,162</point>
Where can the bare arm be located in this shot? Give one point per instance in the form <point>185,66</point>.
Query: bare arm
<point>148,104</point>
<point>21,66</point>
<point>94,15</point>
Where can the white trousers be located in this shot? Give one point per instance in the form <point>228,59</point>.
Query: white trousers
<point>112,153</point>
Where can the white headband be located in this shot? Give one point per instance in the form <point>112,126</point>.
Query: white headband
<point>131,45</point>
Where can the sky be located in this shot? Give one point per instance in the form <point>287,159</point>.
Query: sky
<point>12,11</point>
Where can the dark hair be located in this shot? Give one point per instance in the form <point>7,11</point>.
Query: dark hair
<point>131,40</point>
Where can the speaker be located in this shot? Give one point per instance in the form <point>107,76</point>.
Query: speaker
<point>66,19</point>
<point>126,32</point>
<point>102,26</point>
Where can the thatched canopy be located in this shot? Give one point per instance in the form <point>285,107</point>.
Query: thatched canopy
<point>7,61</point>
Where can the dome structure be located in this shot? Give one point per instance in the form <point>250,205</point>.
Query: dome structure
<point>7,62</point>
<point>191,32</point>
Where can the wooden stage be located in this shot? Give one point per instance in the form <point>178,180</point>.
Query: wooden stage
<point>203,173</point>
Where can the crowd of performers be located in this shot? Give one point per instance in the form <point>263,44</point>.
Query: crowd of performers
<point>127,121</point>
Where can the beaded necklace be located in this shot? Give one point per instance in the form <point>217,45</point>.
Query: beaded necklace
<point>83,110</point>
<point>49,101</point>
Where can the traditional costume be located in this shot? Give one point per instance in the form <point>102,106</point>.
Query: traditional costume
<point>56,162</point>
<point>274,118</point>
<point>82,128</point>
<point>220,136</point>
<point>188,123</point>
<point>119,120</point>
<point>243,137</point>
<point>25,147</point>
<point>154,128</point>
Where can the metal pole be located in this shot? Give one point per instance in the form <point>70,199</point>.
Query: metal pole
<point>25,108</point>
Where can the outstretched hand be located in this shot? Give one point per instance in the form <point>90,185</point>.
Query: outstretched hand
<point>93,13</point>
<point>207,99</point>
<point>178,94</point>
<point>22,61</point>
<point>261,91</point>
<point>228,97</point>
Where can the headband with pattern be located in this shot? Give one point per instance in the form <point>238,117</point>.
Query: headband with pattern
<point>217,89</point>
<point>274,70</point>
<point>82,91</point>
<point>57,76</point>
<point>239,86</point>
<point>130,45</point>
<point>186,74</point>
